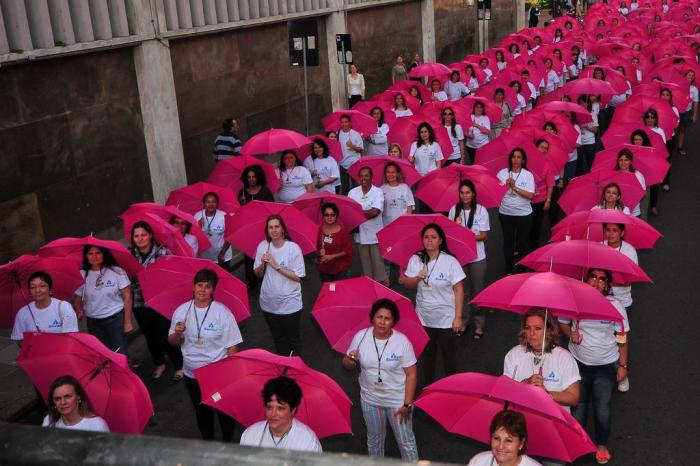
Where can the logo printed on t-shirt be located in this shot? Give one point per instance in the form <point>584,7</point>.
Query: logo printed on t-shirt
<point>109,282</point>
<point>441,276</point>
<point>55,324</point>
<point>393,357</point>
<point>552,377</point>
<point>211,327</point>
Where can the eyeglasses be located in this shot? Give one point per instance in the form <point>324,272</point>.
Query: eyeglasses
<point>329,214</point>
<point>598,278</point>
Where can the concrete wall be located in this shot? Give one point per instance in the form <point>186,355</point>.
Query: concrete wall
<point>503,22</point>
<point>72,156</point>
<point>455,28</point>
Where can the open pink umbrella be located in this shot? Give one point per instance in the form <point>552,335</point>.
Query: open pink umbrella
<point>233,385</point>
<point>589,86</point>
<point>650,162</point>
<point>334,148</point>
<point>351,213</point>
<point>245,228</point>
<point>178,273</point>
<point>620,133</point>
<point>378,164</point>
<point>190,198</point>
<point>14,293</point>
<point>558,152</point>
<point>464,108</point>
<point>551,109</point>
<point>166,212</point>
<point>440,188</point>
<point>405,132</point>
<point>564,296</point>
<point>115,392</point>
<point>573,258</point>
<point>274,140</point>
<point>614,77</point>
<point>565,129</point>
<point>680,93</point>
<point>632,111</point>
<point>510,96</point>
<point>72,248</point>
<point>227,173</point>
<point>405,86</point>
<point>366,106</point>
<point>361,122</point>
<point>584,192</point>
<point>163,233</point>
<point>429,69</point>
<point>342,310</point>
<point>401,239</point>
<point>466,403</point>
<point>388,97</point>
<point>589,225</point>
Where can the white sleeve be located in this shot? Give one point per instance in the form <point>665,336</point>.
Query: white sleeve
<point>305,176</point>
<point>569,370</point>
<point>487,123</point>
<point>410,201</point>
<point>509,366</point>
<point>122,278</point>
<point>309,163</point>
<point>456,272</point>
<point>484,222</point>
<point>438,152</point>
<point>414,266</point>
<point>355,343</point>
<point>296,260</point>
<point>409,356</point>
<point>412,151</point>
<point>18,328</point>
<point>178,316</point>
<point>335,171</point>
<point>356,138</point>
<point>262,248</point>
<point>460,132</point>
<point>530,187</point>
<point>231,332</point>
<point>70,320</point>
<point>378,201</point>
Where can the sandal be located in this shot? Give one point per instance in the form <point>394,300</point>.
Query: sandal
<point>478,334</point>
<point>157,374</point>
<point>177,377</point>
<point>682,151</point>
<point>603,457</point>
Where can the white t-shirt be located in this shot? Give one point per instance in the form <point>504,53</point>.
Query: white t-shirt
<point>551,81</point>
<point>486,459</point>
<point>512,203</point>
<point>292,183</point>
<point>480,139</point>
<point>373,199</point>
<point>403,113</point>
<point>279,294</point>
<point>325,168</point>
<point>349,156</point>
<point>587,136</point>
<point>559,368</point>
<point>426,157</point>
<point>456,91</point>
<point>101,291</point>
<point>637,210</point>
<point>215,228</point>
<point>625,210</point>
<point>217,331</point>
<point>480,223</point>
<point>694,97</point>
<point>435,301</point>
<point>624,293</point>
<point>573,155</point>
<point>397,199</point>
<point>440,96</point>
<point>599,346</point>
<point>193,242</point>
<point>456,154</point>
<point>660,132</point>
<point>299,437</point>
<point>92,424</point>
<point>377,143</point>
<point>396,354</point>
<point>57,317</point>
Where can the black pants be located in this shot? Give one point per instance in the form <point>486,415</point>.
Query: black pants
<point>444,339</point>
<point>536,228</point>
<point>516,229</point>
<point>250,277</point>
<point>205,414</point>
<point>285,332</point>
<point>586,156</point>
<point>555,212</point>
<point>355,98</point>
<point>333,277</point>
<point>671,146</point>
<point>155,329</point>
<point>471,155</point>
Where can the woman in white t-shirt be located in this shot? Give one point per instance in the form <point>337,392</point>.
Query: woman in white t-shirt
<point>625,163</point>
<point>690,116</point>
<point>470,78</point>
<point>586,153</point>
<point>295,179</point>
<point>478,131</point>
<point>70,408</point>
<point>456,134</point>
<point>474,216</point>
<point>388,380</point>
<point>105,298</point>
<point>436,93</point>
<point>551,77</point>
<point>377,143</point>
<point>439,299</point>
<point>425,153</point>
<point>280,263</point>
<point>515,211</point>
<point>356,85</point>
<point>322,167</point>
<point>454,88</point>
<point>184,227</point>
<point>206,332</point>
<point>398,200</point>
<point>611,199</point>
<point>213,222</point>
<point>522,104</point>
<point>508,433</point>
<point>600,349</point>
<point>499,95</point>
<point>400,107</point>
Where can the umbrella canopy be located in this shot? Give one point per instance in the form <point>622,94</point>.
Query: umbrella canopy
<point>378,164</point>
<point>227,173</point>
<point>190,198</point>
<point>166,212</point>
<point>115,393</point>
<point>632,111</point>
<point>440,188</point>
<point>274,140</point>
<point>466,403</point>
<point>341,311</point>
<point>619,133</point>
<point>405,132</point>
<point>405,86</point>
<point>14,293</point>
<point>649,161</point>
<point>589,86</point>
<point>334,148</point>
<point>178,273</point>
<point>72,248</point>
<point>361,122</point>
<point>429,69</point>
<point>351,213</point>
<point>551,109</point>
<point>233,385</point>
<point>585,191</point>
<point>163,233</point>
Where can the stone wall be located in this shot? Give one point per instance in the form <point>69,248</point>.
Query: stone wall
<point>503,22</point>
<point>72,156</point>
<point>455,30</point>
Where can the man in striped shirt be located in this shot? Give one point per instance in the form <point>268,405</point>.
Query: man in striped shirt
<point>227,143</point>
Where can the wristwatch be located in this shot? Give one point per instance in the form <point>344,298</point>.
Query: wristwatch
<point>278,268</point>
<point>408,406</point>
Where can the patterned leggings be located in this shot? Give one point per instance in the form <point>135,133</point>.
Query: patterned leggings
<point>376,418</point>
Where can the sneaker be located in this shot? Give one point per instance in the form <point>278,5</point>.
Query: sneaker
<point>624,385</point>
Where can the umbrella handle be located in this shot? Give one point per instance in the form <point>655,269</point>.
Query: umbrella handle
<point>98,369</point>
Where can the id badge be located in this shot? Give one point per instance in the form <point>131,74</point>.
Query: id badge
<point>379,386</point>
<point>199,343</point>
<point>328,239</point>
<point>427,286</point>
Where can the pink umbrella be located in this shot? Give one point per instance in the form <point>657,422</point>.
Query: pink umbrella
<point>378,164</point>
<point>341,311</point>
<point>166,212</point>
<point>233,385</point>
<point>573,258</point>
<point>621,134</point>
<point>227,173</point>
<point>72,248</point>
<point>405,86</point>
<point>388,98</point>
<point>634,109</point>
<point>163,233</point>
<point>510,96</point>
<point>366,106</point>
<point>274,140</point>
<point>680,94</point>
<point>401,239</point>
<point>558,153</point>
<point>584,192</point>
<point>440,188</point>
<point>405,132</point>
<point>565,129</point>
<point>116,394</point>
<point>551,109</point>
<point>466,403</point>
<point>178,273</point>
<point>14,293</point>
<point>429,69</point>
<point>334,148</point>
<point>589,86</point>
<point>361,122</point>
<point>565,297</point>
<point>245,228</point>
<point>614,77</point>
<point>191,197</point>
<point>647,160</point>
<point>351,214</point>
<point>492,111</point>
<point>589,225</point>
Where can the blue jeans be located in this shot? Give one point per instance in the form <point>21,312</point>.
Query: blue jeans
<point>110,331</point>
<point>596,388</point>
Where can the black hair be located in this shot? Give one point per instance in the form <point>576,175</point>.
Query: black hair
<point>297,162</point>
<point>284,227</point>
<point>459,208</point>
<point>423,254</point>
<point>285,390</point>
<point>380,122</point>
<point>43,276</point>
<point>206,276</point>
<point>431,133</point>
<point>259,174</point>
<point>510,158</point>
<point>388,304</point>
<point>330,205</point>
<point>321,143</point>
<point>210,193</point>
<point>646,142</point>
<point>227,125</point>
<point>108,259</point>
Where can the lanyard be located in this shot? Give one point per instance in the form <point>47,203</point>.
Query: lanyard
<point>288,176</point>
<point>199,326</point>
<point>209,222</point>
<point>276,443</point>
<point>430,272</point>
<point>379,356</point>
<point>36,322</point>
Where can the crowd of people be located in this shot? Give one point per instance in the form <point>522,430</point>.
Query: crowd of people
<point>549,101</point>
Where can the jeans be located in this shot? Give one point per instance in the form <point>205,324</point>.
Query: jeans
<point>205,414</point>
<point>155,329</point>
<point>596,389</point>
<point>285,332</point>
<point>443,338</point>
<point>110,331</point>
<point>376,418</point>
<point>515,229</point>
<point>476,278</point>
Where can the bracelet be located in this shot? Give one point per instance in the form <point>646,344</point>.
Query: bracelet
<point>624,365</point>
